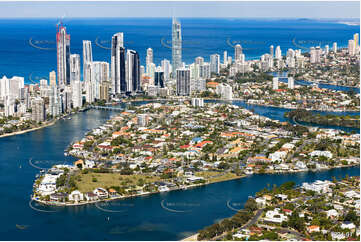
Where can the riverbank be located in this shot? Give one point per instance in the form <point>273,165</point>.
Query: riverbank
<point>52,122</point>
<point>301,115</point>
<point>60,204</point>
<point>193,237</point>
<point>234,99</point>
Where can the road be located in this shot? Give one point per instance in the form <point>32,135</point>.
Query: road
<point>247,225</point>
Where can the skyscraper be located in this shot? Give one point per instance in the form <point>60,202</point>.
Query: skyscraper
<point>278,53</point>
<point>87,56</point>
<point>133,72</point>
<point>149,60</point>
<point>166,68</point>
<point>215,63</point>
<point>38,109</point>
<point>99,76</point>
<point>159,78</point>
<point>225,58</point>
<point>77,94</point>
<point>271,50</point>
<point>74,68</point>
<point>327,48</point>
<point>118,65</point>
<point>183,82</point>
<point>176,46</point>
<point>237,52</point>
<point>63,55</point>
<point>356,40</point>
<point>351,47</point>
<point>334,47</point>
<point>52,78</point>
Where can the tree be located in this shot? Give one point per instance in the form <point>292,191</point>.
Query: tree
<point>251,205</point>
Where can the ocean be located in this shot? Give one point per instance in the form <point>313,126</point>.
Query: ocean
<point>201,37</point>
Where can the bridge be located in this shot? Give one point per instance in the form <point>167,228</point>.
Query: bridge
<point>109,108</point>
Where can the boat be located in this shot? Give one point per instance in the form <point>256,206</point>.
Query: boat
<point>21,226</point>
<point>69,118</point>
<point>65,154</point>
<point>248,172</point>
<point>163,189</point>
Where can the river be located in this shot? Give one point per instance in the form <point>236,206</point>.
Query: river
<point>283,78</point>
<point>142,218</point>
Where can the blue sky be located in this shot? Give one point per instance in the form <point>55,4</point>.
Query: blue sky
<point>268,9</point>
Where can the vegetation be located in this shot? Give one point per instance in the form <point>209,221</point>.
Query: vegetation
<point>302,115</point>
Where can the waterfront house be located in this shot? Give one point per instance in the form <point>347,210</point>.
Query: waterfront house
<point>90,196</point>
<point>112,192</point>
<point>101,193</point>
<point>58,196</point>
<point>76,196</point>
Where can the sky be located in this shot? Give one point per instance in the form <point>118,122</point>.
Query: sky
<point>267,9</point>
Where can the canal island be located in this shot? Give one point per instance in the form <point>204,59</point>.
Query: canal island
<point>158,147</point>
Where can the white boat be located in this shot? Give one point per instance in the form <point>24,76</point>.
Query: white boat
<point>248,172</point>
<point>163,189</point>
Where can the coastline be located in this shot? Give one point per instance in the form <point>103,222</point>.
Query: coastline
<point>62,204</point>
<point>193,237</point>
<point>29,130</point>
<point>238,99</point>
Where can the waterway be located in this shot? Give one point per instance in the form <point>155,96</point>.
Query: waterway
<point>283,78</point>
<point>141,218</point>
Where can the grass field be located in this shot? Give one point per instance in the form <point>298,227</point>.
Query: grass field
<point>87,182</point>
<point>214,176</point>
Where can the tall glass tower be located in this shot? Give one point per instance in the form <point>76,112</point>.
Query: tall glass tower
<point>176,46</point>
<point>63,55</point>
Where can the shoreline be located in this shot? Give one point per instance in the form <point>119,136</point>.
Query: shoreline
<point>29,130</point>
<point>238,99</point>
<point>193,237</point>
<point>62,204</point>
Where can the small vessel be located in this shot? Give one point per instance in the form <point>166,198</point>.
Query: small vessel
<point>248,172</point>
<point>163,189</point>
<point>69,118</point>
<point>65,154</point>
<point>21,226</point>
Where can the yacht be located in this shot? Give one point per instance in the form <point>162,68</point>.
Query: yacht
<point>163,189</point>
<point>248,172</point>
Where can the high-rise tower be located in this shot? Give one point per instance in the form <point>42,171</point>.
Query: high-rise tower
<point>176,46</point>
<point>133,72</point>
<point>118,84</point>
<point>237,52</point>
<point>87,56</point>
<point>63,55</point>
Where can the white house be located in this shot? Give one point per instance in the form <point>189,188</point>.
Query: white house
<point>326,153</point>
<point>261,201</point>
<point>348,225</point>
<point>275,216</point>
<point>76,196</point>
<point>101,192</point>
<point>278,156</point>
<point>332,213</point>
